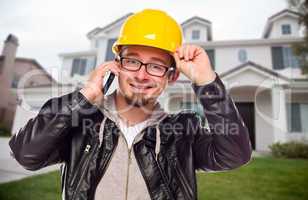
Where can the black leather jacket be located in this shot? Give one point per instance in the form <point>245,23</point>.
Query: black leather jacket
<point>57,134</point>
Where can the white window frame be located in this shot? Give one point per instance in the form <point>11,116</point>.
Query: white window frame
<point>285,27</point>
<point>195,34</point>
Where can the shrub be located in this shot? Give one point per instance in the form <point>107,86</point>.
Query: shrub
<point>292,149</point>
<point>4,131</point>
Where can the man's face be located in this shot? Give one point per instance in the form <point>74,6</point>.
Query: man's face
<point>139,87</point>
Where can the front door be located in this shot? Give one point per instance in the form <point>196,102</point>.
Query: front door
<point>247,111</point>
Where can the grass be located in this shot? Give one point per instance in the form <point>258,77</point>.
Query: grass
<point>262,179</point>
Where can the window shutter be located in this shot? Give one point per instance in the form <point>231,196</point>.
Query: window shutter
<point>277,58</point>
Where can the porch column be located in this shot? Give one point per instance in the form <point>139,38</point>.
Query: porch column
<point>279,113</point>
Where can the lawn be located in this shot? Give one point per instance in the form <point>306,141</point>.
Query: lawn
<point>261,179</point>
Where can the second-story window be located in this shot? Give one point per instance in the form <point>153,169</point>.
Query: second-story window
<point>286,29</point>
<point>109,54</point>
<point>289,58</point>
<point>283,57</point>
<point>79,66</point>
<point>195,35</point>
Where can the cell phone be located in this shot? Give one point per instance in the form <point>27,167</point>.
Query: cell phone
<point>106,87</point>
<point>108,83</point>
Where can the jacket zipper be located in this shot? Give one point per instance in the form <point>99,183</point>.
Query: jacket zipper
<point>82,161</point>
<point>84,167</point>
<point>184,185</point>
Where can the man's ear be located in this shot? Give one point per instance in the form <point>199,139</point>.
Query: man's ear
<point>173,77</point>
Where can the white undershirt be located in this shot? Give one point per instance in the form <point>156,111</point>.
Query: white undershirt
<point>130,132</point>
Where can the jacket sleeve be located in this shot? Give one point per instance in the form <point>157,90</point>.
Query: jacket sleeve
<point>224,143</point>
<point>44,139</point>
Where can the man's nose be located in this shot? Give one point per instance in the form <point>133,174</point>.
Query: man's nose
<point>142,74</point>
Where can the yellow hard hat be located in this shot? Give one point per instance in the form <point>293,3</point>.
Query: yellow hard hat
<point>152,28</point>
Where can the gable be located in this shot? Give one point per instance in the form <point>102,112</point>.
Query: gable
<point>203,26</point>
<point>274,23</point>
<point>252,74</point>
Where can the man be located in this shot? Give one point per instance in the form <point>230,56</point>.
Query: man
<point>124,146</point>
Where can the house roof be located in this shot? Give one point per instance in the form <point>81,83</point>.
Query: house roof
<point>34,62</point>
<point>257,66</point>
<point>202,20</point>
<point>271,19</point>
<point>108,26</point>
<point>283,12</point>
<point>195,18</point>
<point>183,24</point>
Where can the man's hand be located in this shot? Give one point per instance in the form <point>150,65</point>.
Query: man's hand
<point>194,63</point>
<point>93,87</point>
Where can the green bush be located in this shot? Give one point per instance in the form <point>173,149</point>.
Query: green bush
<point>4,131</point>
<point>292,149</point>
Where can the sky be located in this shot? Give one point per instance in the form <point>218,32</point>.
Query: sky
<point>46,28</point>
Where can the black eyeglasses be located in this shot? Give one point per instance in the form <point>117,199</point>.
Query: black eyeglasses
<point>132,64</point>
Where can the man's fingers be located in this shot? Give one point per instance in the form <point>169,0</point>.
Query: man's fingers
<point>177,59</point>
<point>181,52</point>
<point>108,66</point>
<point>186,53</point>
<point>114,70</point>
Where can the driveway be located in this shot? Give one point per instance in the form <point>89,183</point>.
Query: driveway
<point>10,170</point>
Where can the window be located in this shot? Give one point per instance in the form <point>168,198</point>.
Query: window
<point>195,34</point>
<point>194,106</point>
<point>83,66</point>
<point>109,54</point>
<point>286,29</point>
<point>289,59</point>
<point>242,55</point>
<point>283,57</point>
<point>297,114</point>
<point>79,66</point>
<point>15,81</point>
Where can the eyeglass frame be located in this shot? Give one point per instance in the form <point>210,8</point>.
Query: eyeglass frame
<point>168,69</point>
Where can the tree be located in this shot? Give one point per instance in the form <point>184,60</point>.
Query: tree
<point>301,49</point>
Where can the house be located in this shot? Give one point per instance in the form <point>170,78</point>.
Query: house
<point>14,72</point>
<point>262,75</point>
